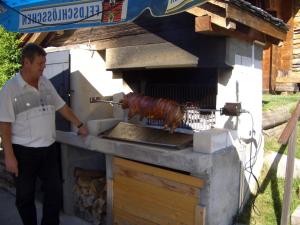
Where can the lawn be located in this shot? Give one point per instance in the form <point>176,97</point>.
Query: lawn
<point>271,102</point>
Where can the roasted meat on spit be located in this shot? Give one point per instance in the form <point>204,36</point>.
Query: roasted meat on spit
<point>167,110</point>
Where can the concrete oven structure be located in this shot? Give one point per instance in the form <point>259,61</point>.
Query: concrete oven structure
<point>219,155</point>
<point>213,176</point>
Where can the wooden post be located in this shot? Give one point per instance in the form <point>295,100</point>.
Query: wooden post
<point>289,178</point>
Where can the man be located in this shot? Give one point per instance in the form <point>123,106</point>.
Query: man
<point>28,103</point>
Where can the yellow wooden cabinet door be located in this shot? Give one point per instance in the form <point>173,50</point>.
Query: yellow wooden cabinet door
<point>148,195</point>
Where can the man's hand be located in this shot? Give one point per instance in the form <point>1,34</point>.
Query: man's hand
<point>83,131</point>
<point>11,164</point>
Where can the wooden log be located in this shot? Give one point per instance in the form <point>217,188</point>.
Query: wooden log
<point>87,201</point>
<point>90,197</point>
<point>97,188</point>
<point>296,61</point>
<point>98,207</point>
<point>287,87</point>
<point>84,181</point>
<point>275,131</point>
<point>296,51</point>
<point>274,118</point>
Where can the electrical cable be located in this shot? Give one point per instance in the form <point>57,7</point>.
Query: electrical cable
<point>249,168</point>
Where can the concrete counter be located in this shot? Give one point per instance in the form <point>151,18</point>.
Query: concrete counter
<point>185,159</point>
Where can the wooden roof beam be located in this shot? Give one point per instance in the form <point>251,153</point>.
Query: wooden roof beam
<point>217,15</point>
<point>254,22</point>
<point>204,24</point>
<point>25,37</point>
<point>218,3</point>
<point>38,38</point>
<point>229,17</point>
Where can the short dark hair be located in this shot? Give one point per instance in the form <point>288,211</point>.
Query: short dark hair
<point>31,50</point>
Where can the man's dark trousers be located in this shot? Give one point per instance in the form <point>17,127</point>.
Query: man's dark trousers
<point>43,163</point>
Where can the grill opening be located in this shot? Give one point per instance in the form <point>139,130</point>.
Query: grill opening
<point>194,88</point>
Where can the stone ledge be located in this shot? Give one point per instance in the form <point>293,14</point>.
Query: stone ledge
<point>96,127</point>
<point>210,141</point>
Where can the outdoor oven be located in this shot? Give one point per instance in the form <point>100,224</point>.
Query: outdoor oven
<point>222,149</point>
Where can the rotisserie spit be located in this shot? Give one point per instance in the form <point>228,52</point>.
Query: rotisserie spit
<point>170,112</point>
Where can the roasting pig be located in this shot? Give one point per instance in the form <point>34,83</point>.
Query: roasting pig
<point>167,110</point>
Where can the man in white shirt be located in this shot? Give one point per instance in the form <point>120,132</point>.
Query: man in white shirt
<point>28,103</point>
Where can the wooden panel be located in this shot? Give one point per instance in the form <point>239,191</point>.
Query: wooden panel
<point>275,64</point>
<point>157,181</point>
<point>180,178</point>
<point>125,218</point>
<point>164,196</point>
<point>267,84</point>
<point>147,195</point>
<point>254,22</point>
<point>153,203</point>
<point>200,214</point>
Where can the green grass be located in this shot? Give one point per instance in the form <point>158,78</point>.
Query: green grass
<point>270,102</point>
<point>265,208</point>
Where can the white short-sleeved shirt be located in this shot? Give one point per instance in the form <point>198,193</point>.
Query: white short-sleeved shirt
<point>31,112</point>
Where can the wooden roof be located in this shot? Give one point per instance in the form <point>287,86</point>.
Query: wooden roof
<point>236,18</point>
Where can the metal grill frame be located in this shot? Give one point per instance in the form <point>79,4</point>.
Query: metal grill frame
<point>194,119</point>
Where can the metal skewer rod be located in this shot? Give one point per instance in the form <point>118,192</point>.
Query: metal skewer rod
<point>98,99</point>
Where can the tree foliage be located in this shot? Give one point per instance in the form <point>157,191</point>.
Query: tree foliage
<point>9,55</point>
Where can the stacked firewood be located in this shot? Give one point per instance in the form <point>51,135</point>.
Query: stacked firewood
<point>90,195</point>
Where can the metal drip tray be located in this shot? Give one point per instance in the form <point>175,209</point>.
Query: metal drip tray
<point>151,136</point>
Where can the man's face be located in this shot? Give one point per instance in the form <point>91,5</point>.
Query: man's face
<point>37,66</point>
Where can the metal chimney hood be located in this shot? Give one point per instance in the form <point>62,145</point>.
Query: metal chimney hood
<point>208,53</point>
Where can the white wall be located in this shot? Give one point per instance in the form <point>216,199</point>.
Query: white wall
<point>244,84</point>
<point>89,78</point>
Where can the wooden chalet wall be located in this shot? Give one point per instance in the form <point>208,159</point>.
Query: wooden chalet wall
<point>277,60</point>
